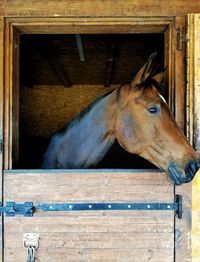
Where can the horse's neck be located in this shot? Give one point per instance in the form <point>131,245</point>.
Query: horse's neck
<point>89,138</point>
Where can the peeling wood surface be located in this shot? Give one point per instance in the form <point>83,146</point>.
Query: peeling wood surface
<point>98,8</point>
<point>91,236</point>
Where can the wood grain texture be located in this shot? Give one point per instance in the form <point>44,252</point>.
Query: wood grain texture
<point>98,8</point>
<point>15,94</point>
<point>90,25</point>
<point>91,235</point>
<point>179,72</point>
<point>1,118</point>
<point>7,95</point>
<point>193,59</point>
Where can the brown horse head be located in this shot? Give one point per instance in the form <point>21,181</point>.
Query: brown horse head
<point>145,126</point>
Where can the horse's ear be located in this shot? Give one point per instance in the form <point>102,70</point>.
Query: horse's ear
<point>145,71</point>
<point>159,77</point>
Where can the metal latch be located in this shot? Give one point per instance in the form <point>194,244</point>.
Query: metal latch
<point>31,243</point>
<point>180,37</point>
<point>12,209</point>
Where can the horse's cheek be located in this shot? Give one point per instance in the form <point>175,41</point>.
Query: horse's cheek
<point>125,130</point>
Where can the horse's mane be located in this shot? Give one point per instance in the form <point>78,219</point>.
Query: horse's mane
<point>149,82</point>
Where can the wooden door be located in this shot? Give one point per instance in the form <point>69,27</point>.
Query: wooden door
<point>103,235</point>
<point>91,235</point>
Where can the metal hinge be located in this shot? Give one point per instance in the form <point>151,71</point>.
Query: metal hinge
<point>1,145</point>
<point>12,209</point>
<point>28,208</point>
<point>180,37</point>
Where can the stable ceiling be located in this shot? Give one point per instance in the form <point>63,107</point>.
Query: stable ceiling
<point>108,59</point>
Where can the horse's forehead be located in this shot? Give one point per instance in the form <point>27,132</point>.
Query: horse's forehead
<point>150,95</point>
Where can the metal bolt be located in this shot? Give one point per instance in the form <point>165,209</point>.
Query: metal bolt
<point>129,206</point>
<point>90,206</point>
<point>109,206</point>
<point>168,206</point>
<point>70,206</point>
<point>148,206</point>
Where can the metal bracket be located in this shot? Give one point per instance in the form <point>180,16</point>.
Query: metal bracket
<point>179,211</point>
<point>12,209</point>
<point>27,209</point>
<point>180,37</point>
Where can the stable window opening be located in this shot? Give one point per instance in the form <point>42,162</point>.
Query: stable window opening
<point>60,75</point>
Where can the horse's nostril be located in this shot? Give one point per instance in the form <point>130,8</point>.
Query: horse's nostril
<point>192,167</point>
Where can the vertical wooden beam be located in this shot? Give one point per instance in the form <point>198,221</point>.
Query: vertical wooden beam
<point>53,58</point>
<point>180,71</point>
<point>111,52</point>
<point>1,126</point>
<point>15,96</point>
<point>182,226</point>
<point>190,79</point>
<point>7,95</point>
<point>193,127</point>
<point>168,62</point>
<point>11,96</point>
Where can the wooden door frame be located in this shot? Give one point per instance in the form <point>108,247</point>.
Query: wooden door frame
<point>14,27</point>
<point>1,126</point>
<point>174,58</point>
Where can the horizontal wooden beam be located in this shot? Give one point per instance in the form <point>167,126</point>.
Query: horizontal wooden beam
<point>98,8</point>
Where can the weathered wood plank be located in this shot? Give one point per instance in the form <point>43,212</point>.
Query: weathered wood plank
<point>182,226</point>
<point>102,187</point>
<point>92,235</point>
<point>179,73</point>
<point>103,224</point>
<point>81,25</point>
<point>97,240</point>
<point>7,93</point>
<point>100,255</point>
<point>193,102</point>
<point>89,177</point>
<point>1,118</point>
<point>98,8</point>
<point>14,102</point>
<point>194,96</point>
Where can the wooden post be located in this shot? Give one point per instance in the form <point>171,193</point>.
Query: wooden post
<point>183,226</point>
<point>1,123</point>
<point>193,127</point>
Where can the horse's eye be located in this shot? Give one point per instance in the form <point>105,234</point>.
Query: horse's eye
<point>153,110</point>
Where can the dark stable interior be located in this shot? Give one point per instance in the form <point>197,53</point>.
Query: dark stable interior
<point>52,65</point>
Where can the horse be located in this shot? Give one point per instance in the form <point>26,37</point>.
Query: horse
<point>138,117</point>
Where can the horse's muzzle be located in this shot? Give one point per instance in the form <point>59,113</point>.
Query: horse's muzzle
<point>179,176</point>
